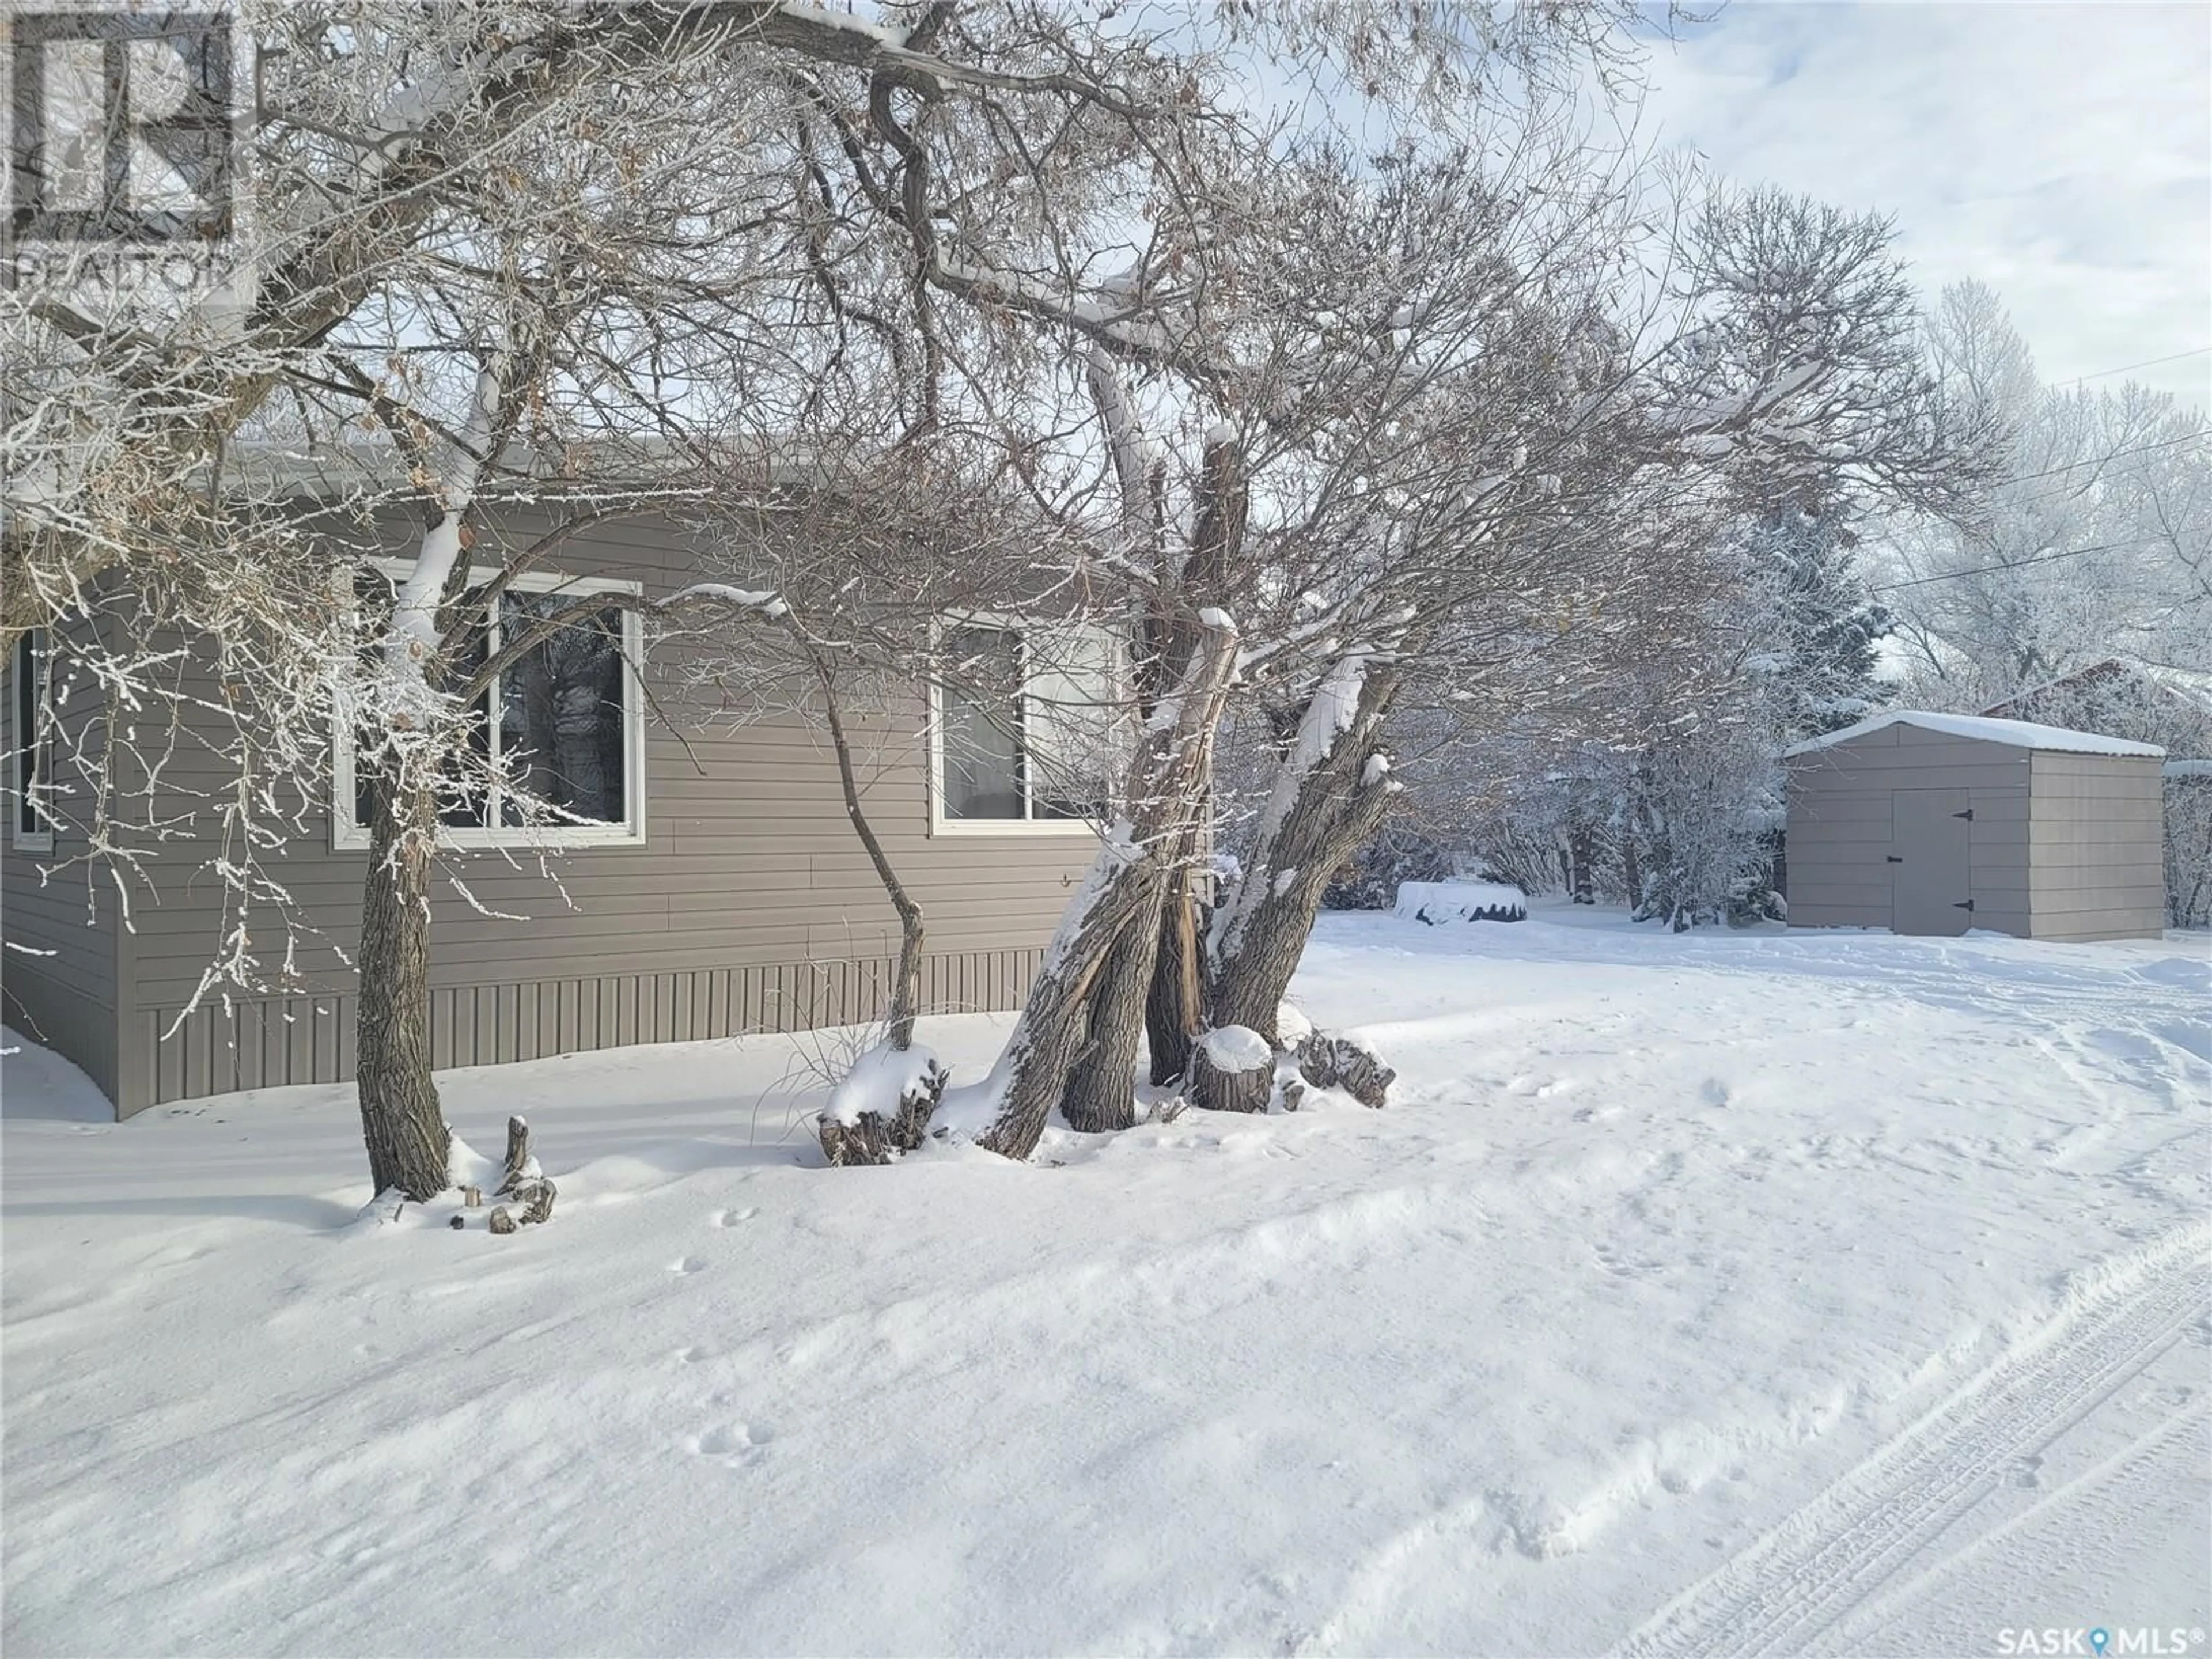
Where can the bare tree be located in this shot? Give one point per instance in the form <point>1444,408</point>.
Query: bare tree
<point>494,266</point>
<point>2091,534</point>
<point>1013,241</point>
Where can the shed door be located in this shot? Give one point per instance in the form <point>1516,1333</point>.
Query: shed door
<point>1928,871</point>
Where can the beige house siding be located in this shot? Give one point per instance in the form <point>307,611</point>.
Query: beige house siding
<point>2061,846</point>
<point>751,907</point>
<point>2097,847</point>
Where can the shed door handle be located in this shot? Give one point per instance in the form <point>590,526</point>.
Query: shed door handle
<point>1893,858</point>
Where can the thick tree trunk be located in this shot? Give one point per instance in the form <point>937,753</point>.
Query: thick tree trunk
<point>1582,855</point>
<point>1330,798</point>
<point>401,1118</point>
<point>1032,1074</point>
<point>1174,1012</point>
<point>1089,1004</point>
<point>1101,1093</point>
<point>1175,1000</point>
<point>1166,789</point>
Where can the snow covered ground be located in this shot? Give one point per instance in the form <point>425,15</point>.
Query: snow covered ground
<point>1701,1294</point>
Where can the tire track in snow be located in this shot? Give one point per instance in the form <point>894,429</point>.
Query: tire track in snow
<point>2173,1440</point>
<point>1820,1565</point>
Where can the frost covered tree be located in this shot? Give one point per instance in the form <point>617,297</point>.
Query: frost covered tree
<point>1087,248</point>
<point>1801,365</point>
<point>1823,627</point>
<point>494,260</point>
<point>1310,418</point>
<point>1442,393</point>
<point>2092,536</point>
<point>1811,303</point>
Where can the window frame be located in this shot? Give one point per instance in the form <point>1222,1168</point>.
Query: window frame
<point>347,836</point>
<point>1020,627</point>
<point>36,645</point>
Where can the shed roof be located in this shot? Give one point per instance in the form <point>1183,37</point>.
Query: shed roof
<point>2018,734</point>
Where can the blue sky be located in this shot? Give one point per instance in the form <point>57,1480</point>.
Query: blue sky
<point>2063,154</point>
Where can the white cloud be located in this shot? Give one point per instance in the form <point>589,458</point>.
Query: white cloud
<point>2061,153</point>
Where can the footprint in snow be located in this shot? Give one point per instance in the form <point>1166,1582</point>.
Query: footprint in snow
<point>736,1444</point>
<point>733,1218</point>
<point>683,1265</point>
<point>692,1355</point>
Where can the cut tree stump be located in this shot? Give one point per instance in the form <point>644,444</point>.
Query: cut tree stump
<point>1345,1063</point>
<point>875,1139</point>
<point>522,1181</point>
<point>520,1165</point>
<point>535,1199</point>
<point>1232,1069</point>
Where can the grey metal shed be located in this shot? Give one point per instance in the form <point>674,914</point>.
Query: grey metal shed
<point>1934,823</point>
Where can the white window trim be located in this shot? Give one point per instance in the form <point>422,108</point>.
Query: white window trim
<point>347,836</point>
<point>1019,626</point>
<point>40,644</point>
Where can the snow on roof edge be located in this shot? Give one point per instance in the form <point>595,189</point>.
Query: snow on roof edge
<point>2019,734</point>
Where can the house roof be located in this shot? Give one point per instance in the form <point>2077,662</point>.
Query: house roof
<point>2185,685</point>
<point>2189,684</point>
<point>2018,734</point>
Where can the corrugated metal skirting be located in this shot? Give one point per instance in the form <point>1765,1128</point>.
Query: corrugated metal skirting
<point>284,1040</point>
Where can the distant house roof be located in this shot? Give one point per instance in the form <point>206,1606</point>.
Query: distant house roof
<point>2019,734</point>
<point>2185,685</point>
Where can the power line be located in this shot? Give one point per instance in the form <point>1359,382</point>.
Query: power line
<point>2101,460</point>
<point>2147,362</point>
<point>2012,564</point>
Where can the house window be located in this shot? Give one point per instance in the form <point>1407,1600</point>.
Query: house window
<point>561,733</point>
<point>1028,733</point>
<point>30,761</point>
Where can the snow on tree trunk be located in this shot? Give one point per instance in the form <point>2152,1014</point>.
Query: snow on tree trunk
<point>520,1164</point>
<point>1031,1076</point>
<point>1175,1000</point>
<point>1125,884</point>
<point>1331,793</point>
<point>401,1118</point>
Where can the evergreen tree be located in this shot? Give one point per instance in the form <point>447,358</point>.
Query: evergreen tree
<point>1826,626</point>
